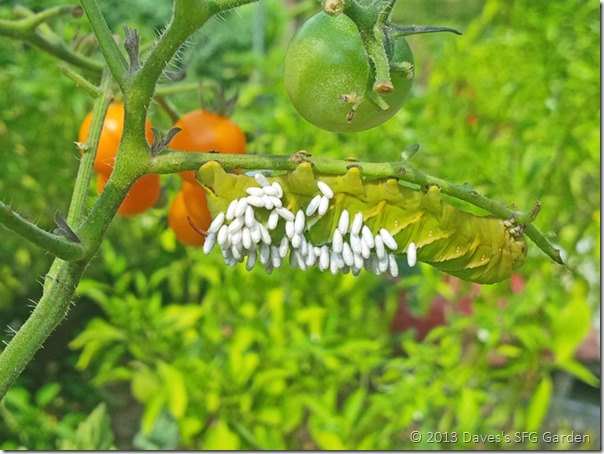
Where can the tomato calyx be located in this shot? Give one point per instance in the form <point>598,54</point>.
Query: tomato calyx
<point>213,98</point>
<point>378,36</point>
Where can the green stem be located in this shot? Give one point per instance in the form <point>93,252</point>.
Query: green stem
<point>80,82</point>
<point>178,161</point>
<point>48,313</point>
<point>115,59</point>
<point>80,192</point>
<point>34,19</point>
<point>57,245</point>
<point>50,44</point>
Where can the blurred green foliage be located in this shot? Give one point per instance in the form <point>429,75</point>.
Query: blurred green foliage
<point>219,358</point>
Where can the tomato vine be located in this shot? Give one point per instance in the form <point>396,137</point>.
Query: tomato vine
<point>137,79</point>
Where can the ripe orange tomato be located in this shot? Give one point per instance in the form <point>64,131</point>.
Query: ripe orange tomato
<point>111,134</point>
<point>207,131</point>
<point>197,205</point>
<point>142,195</point>
<point>178,220</point>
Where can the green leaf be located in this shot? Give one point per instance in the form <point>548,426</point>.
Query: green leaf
<point>175,390</point>
<point>571,323</point>
<point>354,405</point>
<point>220,437</point>
<point>577,369</point>
<point>539,404</point>
<point>46,394</point>
<point>94,433</point>
<point>328,440</point>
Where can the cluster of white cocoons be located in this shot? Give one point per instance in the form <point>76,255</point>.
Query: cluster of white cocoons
<point>352,247</point>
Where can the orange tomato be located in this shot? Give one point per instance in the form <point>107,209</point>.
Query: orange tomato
<point>142,195</point>
<point>178,220</point>
<point>111,134</point>
<point>197,205</point>
<point>206,131</point>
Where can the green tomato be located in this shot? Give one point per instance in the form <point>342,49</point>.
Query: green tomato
<point>329,79</point>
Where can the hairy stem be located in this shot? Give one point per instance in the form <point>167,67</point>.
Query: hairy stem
<point>48,313</point>
<point>27,30</point>
<point>57,245</point>
<point>80,191</point>
<point>115,59</point>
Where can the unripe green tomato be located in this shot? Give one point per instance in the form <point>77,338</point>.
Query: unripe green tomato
<point>326,60</point>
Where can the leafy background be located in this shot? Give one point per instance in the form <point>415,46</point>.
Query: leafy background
<point>167,348</point>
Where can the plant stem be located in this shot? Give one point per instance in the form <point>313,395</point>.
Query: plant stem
<point>48,313</point>
<point>49,43</point>
<point>80,191</point>
<point>57,245</point>
<point>115,59</point>
<point>178,161</point>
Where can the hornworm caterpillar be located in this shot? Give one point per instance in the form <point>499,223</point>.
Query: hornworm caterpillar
<point>343,223</point>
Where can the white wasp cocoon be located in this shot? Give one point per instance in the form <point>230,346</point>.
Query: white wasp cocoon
<point>290,229</point>
<point>256,201</point>
<point>388,239</point>
<point>275,201</point>
<point>343,221</point>
<point>216,223</point>
<point>230,212</point>
<point>412,254</point>
<point>265,253</point>
<point>296,240</point>
<point>299,222</point>
<point>255,191</point>
<point>283,247</point>
<point>209,243</point>
<point>268,202</point>
<point>323,206</point>
<point>368,237</point>
<point>313,205</point>
<point>325,189</point>
<point>393,265</point>
<point>278,189</point>
<point>249,218</point>
<point>337,241</point>
<point>357,224</point>
<point>380,251</point>
<point>347,255</point>
<point>266,237</point>
<point>256,233</point>
<point>222,236</point>
<point>235,225</point>
<point>240,208</point>
<point>273,220</point>
<point>285,214</point>
<point>251,260</point>
<point>356,244</point>
<point>261,180</point>
<point>246,238</point>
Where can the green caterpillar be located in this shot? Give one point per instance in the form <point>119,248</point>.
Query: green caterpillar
<point>314,207</point>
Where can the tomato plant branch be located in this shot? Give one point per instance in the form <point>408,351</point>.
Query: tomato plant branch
<point>48,313</point>
<point>32,20</point>
<point>28,30</point>
<point>113,56</point>
<point>80,192</point>
<point>57,245</point>
<point>178,161</point>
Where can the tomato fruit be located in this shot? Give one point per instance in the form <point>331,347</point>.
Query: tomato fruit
<point>197,206</point>
<point>203,130</point>
<point>180,219</point>
<point>111,134</point>
<point>142,195</point>
<point>326,63</point>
